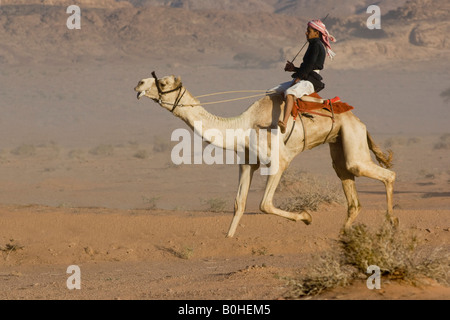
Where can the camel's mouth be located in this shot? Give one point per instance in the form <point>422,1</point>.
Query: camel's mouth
<point>140,94</point>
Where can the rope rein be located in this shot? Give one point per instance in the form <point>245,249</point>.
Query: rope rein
<point>266,92</point>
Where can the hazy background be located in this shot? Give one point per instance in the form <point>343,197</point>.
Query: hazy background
<point>67,95</point>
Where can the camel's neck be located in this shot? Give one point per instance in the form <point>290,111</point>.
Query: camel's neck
<point>212,128</point>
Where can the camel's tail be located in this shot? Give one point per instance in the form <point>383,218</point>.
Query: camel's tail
<point>384,159</point>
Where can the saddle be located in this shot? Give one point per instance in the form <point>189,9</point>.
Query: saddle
<point>301,107</point>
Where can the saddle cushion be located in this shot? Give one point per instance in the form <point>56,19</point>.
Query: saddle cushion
<point>310,107</point>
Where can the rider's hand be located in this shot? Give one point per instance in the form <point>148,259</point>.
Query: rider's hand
<point>289,67</point>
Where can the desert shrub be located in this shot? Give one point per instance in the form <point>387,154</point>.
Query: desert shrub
<point>396,253</point>
<point>446,95</point>
<point>392,251</point>
<point>215,204</point>
<point>413,140</point>
<point>185,253</point>
<point>426,174</point>
<point>102,150</point>
<point>161,144</point>
<point>307,192</point>
<point>151,203</point>
<point>76,154</point>
<point>24,150</point>
<point>397,141</point>
<point>10,247</point>
<point>443,143</point>
<point>141,154</point>
<point>327,274</point>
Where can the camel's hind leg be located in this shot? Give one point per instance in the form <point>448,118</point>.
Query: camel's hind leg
<point>348,183</point>
<point>359,163</point>
<point>246,172</point>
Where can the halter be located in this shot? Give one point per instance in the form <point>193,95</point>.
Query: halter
<point>161,93</point>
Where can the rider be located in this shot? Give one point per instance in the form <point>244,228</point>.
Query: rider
<point>307,79</point>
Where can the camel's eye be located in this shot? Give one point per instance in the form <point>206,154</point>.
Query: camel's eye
<point>141,83</point>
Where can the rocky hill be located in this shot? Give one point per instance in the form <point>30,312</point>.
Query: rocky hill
<point>252,34</point>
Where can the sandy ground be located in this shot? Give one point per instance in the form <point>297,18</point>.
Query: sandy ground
<point>162,249</point>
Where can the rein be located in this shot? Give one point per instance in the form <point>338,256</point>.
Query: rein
<point>180,95</point>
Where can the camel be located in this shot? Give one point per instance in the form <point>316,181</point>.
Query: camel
<point>349,141</point>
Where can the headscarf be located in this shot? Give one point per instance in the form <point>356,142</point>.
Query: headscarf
<point>325,37</point>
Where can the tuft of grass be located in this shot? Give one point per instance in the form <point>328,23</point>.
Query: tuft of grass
<point>186,253</point>
<point>307,192</point>
<point>215,204</point>
<point>396,253</point>
<point>10,247</point>
<point>260,252</point>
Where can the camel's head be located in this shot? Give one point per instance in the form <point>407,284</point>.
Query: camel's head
<point>149,87</point>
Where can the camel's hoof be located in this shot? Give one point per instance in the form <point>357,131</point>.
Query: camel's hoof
<point>306,218</point>
<point>394,221</point>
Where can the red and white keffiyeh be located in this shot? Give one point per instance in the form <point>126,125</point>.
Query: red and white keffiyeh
<point>324,35</point>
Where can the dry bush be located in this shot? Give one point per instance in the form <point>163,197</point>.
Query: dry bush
<point>392,251</point>
<point>141,154</point>
<point>443,143</point>
<point>215,204</point>
<point>76,154</point>
<point>185,253</point>
<point>161,144</point>
<point>307,192</point>
<point>446,95</point>
<point>10,247</point>
<point>151,203</point>
<point>396,253</point>
<point>24,150</point>
<point>401,141</point>
<point>327,274</point>
<point>102,150</point>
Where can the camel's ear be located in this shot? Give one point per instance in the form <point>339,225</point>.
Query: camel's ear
<point>178,80</point>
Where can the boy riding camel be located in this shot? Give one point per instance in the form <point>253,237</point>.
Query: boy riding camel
<point>307,79</point>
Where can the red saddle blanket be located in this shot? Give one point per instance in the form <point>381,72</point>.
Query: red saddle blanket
<point>311,107</point>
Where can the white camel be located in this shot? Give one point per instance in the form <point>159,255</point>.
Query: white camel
<point>349,141</point>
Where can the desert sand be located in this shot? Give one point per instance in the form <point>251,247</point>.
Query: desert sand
<point>86,171</point>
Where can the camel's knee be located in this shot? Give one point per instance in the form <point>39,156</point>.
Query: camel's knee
<point>354,168</point>
<point>239,205</point>
<point>391,177</point>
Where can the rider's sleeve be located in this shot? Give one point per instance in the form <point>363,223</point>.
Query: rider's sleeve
<point>309,62</point>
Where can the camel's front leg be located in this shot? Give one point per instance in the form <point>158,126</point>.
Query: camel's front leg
<point>246,172</point>
<point>267,202</point>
